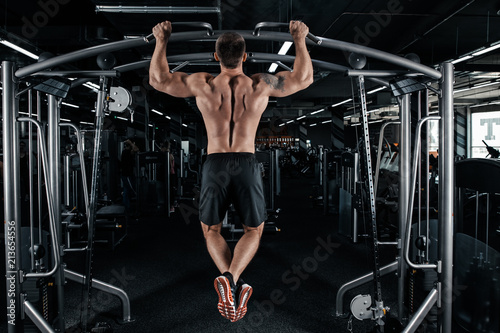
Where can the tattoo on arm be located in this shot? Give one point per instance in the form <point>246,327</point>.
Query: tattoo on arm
<point>274,81</point>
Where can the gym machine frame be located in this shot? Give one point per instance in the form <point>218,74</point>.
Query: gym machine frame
<point>442,294</point>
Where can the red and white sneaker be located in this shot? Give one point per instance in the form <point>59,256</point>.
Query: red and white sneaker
<point>226,303</point>
<point>244,293</point>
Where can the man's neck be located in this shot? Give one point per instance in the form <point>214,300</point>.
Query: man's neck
<point>232,71</point>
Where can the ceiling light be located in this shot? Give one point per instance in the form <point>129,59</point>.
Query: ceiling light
<point>168,117</point>
<point>273,67</point>
<point>343,102</point>
<point>150,125</point>
<point>94,87</point>
<point>302,117</point>
<point>456,61</point>
<point>475,87</point>
<point>27,114</point>
<point>184,125</point>
<point>486,50</point>
<point>375,90</point>
<point>122,118</point>
<point>370,122</point>
<point>86,123</point>
<point>318,111</point>
<point>283,50</point>
<point>19,49</point>
<point>326,121</point>
<point>313,125</point>
<point>282,124</point>
<point>480,85</point>
<point>158,112</point>
<point>71,105</point>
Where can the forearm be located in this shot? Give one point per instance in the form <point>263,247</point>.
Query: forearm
<point>159,70</point>
<point>302,66</point>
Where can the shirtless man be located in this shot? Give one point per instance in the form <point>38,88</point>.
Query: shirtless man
<point>231,105</point>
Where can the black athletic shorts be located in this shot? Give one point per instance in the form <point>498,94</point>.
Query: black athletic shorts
<point>232,178</point>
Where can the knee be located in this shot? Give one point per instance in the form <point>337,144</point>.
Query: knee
<point>255,230</point>
<point>209,230</point>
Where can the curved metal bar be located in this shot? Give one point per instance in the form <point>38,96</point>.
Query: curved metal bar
<point>384,270</point>
<point>261,25</point>
<point>206,56</point>
<point>82,163</point>
<point>202,36</point>
<point>80,54</point>
<point>51,203</point>
<point>380,81</point>
<point>79,82</point>
<point>379,152</point>
<point>288,58</point>
<point>252,56</point>
<point>208,26</point>
<point>108,288</point>
<point>413,183</point>
<point>78,73</point>
<point>377,73</point>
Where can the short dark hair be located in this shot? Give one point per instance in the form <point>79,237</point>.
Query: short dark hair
<point>230,48</point>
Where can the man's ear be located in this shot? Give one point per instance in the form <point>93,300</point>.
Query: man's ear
<point>216,56</point>
<point>245,57</point>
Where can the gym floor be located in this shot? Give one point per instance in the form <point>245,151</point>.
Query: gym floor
<point>164,267</point>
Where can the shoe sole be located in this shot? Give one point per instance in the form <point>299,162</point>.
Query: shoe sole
<point>244,297</point>
<point>226,303</point>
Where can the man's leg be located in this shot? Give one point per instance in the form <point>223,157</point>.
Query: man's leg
<point>217,246</point>
<point>245,250</point>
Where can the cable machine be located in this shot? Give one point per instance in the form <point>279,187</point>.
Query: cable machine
<point>441,293</point>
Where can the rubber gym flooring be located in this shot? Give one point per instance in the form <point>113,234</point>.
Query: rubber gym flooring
<point>164,267</point>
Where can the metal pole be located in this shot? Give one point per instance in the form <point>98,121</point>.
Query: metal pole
<point>412,190</point>
<point>108,288</point>
<point>39,167</point>
<point>404,185</point>
<point>12,211</point>
<point>419,316</point>
<point>378,301</point>
<point>30,177</point>
<point>37,318</point>
<point>54,153</point>
<point>446,182</point>
<point>93,201</point>
<point>427,180</point>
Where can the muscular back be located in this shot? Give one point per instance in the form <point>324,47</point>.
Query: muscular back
<point>231,106</point>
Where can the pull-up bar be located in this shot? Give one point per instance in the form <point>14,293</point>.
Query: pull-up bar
<point>206,36</point>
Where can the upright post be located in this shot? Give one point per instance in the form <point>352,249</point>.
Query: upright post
<point>445,205</point>
<point>404,188</point>
<point>12,196</point>
<point>54,154</point>
<point>99,116</point>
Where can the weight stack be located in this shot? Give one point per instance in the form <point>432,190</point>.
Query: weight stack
<point>423,282</point>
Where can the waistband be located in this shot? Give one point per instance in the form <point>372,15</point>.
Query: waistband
<point>231,155</point>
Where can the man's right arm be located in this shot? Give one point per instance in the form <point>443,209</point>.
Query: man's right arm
<point>176,84</point>
<point>287,83</point>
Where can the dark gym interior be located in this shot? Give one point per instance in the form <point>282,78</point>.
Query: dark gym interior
<point>381,179</point>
